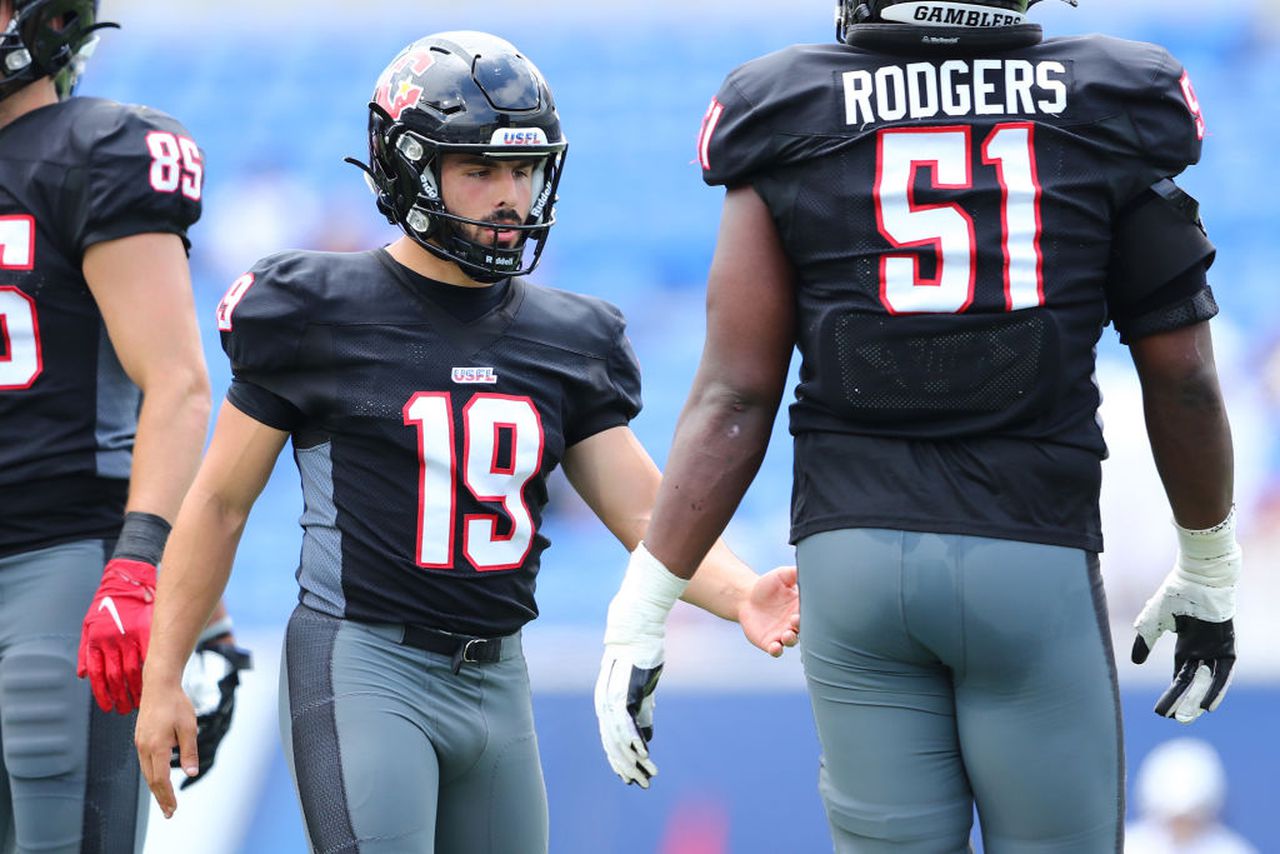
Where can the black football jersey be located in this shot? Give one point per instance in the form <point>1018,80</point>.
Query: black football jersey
<point>948,199</point>
<point>74,174</point>
<point>424,442</point>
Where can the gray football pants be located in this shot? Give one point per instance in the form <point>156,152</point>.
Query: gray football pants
<point>72,781</point>
<point>947,671</point>
<point>392,753</point>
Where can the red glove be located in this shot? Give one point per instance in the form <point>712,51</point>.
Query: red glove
<point>113,641</point>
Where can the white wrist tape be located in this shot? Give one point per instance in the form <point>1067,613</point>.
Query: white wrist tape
<point>1210,557</point>
<point>648,592</point>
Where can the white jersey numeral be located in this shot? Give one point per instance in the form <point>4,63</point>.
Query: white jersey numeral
<point>489,422</point>
<point>175,162</point>
<point>20,358</point>
<point>946,228</point>
<point>231,299</point>
<point>432,413</point>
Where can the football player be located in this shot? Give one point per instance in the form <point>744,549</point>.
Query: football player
<point>98,342</point>
<point>942,211</point>
<point>428,390</point>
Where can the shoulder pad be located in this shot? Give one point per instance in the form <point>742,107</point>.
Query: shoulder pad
<point>264,313</point>
<point>143,172</point>
<point>581,322</point>
<point>740,130</point>
<point>606,391</point>
<point>1154,112</point>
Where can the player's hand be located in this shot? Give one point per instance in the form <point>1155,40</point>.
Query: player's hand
<point>209,680</point>
<point>166,719</point>
<point>1197,601</point>
<point>770,616</point>
<point>624,711</point>
<point>115,634</point>
<point>632,663</point>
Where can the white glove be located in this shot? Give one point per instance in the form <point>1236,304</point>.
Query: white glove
<point>209,680</point>
<point>200,680</point>
<point>1197,601</point>
<point>632,663</point>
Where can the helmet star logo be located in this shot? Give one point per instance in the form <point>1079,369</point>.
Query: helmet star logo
<point>404,76</point>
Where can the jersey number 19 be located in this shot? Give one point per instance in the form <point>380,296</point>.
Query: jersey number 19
<point>491,424</point>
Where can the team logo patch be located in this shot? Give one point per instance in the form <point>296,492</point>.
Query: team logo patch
<point>517,137</point>
<point>471,376</point>
<point>400,85</point>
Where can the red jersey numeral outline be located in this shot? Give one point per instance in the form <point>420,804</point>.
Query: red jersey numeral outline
<point>21,351</point>
<point>1010,149</point>
<point>231,299</point>
<point>441,473</point>
<point>709,121</point>
<point>1193,103</point>
<point>175,164</point>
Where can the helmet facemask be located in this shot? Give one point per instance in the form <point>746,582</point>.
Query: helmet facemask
<point>415,162</point>
<point>47,38</point>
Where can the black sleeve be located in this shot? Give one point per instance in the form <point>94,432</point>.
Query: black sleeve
<point>1168,121</point>
<point>1141,106</point>
<point>145,174</point>
<point>262,320</point>
<point>264,406</point>
<point>1184,301</point>
<point>612,396</point>
<point>1159,256</point>
<point>735,140</point>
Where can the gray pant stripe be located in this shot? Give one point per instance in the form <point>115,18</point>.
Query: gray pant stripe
<point>317,760</point>
<point>1104,630</point>
<point>113,787</point>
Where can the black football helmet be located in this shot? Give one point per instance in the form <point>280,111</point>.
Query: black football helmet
<point>956,12</point>
<point>47,37</point>
<point>464,92</point>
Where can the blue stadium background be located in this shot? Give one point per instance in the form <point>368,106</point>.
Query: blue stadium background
<point>275,93</point>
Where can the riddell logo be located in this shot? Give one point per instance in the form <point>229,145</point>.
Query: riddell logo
<point>474,375</point>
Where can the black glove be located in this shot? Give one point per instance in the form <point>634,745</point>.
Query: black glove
<point>1202,663</point>
<point>1197,601</point>
<point>210,680</point>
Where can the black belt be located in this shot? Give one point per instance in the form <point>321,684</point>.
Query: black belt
<point>462,648</point>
